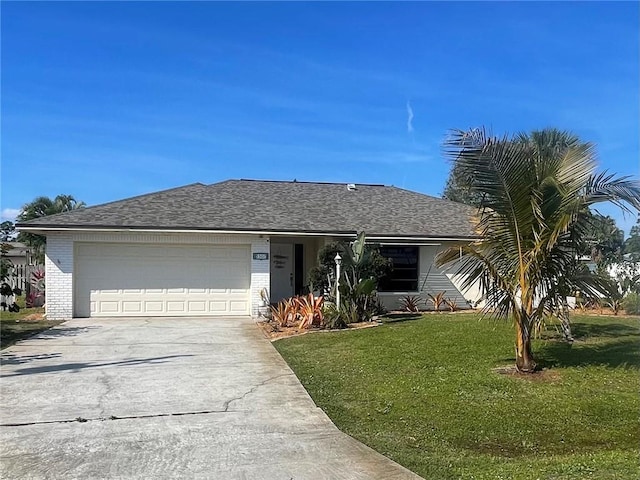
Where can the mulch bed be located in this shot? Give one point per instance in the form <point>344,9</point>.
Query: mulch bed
<point>275,332</point>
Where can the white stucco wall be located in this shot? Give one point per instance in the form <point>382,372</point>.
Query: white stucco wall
<point>59,262</point>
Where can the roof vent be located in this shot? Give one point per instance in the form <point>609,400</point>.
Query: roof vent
<point>351,187</point>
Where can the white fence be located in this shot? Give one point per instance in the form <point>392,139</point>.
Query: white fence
<point>20,276</point>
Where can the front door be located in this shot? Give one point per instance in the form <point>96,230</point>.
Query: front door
<point>281,271</point>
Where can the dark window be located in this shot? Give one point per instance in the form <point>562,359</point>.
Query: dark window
<point>404,273</point>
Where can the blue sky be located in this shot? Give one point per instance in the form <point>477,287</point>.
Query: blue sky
<point>109,100</point>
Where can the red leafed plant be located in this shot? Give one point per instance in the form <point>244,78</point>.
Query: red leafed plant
<point>285,312</point>
<point>310,310</point>
<point>410,303</point>
<point>37,280</point>
<point>307,309</point>
<point>438,299</point>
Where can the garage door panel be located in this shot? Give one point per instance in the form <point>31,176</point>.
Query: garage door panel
<point>132,307</point>
<point>129,280</point>
<point>153,307</point>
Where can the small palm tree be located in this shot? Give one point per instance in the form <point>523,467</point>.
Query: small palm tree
<point>42,207</point>
<point>535,190</point>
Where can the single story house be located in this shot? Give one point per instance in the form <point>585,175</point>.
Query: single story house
<point>212,249</point>
<point>18,253</point>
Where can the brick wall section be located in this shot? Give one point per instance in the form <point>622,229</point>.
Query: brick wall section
<point>260,272</point>
<point>59,276</point>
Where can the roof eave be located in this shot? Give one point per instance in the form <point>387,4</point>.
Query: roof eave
<point>44,230</point>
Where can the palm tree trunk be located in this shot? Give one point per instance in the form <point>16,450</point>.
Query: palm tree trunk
<point>524,357</point>
<point>565,324</point>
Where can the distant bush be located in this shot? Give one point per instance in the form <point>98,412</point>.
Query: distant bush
<point>632,304</point>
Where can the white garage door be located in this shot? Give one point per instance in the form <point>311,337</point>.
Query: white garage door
<point>161,280</point>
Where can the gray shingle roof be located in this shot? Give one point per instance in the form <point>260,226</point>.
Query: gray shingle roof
<point>250,205</point>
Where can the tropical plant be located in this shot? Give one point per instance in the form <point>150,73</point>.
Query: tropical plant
<point>33,299</point>
<point>631,304</point>
<point>333,318</point>
<point>370,264</point>
<point>535,190</point>
<point>357,288</point>
<point>358,298</point>
<point>41,207</point>
<point>410,303</point>
<point>6,265</point>
<point>37,280</point>
<point>632,244</point>
<point>7,231</point>
<point>602,240</point>
<point>437,300</point>
<point>615,304</point>
<point>305,309</point>
<point>284,312</point>
<point>309,310</point>
<point>451,303</point>
<point>264,296</point>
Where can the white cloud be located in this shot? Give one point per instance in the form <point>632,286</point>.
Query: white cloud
<point>10,214</point>
<point>410,119</point>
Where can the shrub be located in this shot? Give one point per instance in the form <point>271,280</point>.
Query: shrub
<point>333,318</point>
<point>632,304</point>
<point>368,264</point>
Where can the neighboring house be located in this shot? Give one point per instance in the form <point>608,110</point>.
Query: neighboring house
<point>18,253</point>
<point>22,264</point>
<point>211,249</point>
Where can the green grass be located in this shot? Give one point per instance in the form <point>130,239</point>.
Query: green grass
<point>424,392</point>
<point>13,327</point>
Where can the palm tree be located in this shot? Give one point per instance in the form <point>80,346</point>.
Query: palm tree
<point>536,190</point>
<point>41,207</point>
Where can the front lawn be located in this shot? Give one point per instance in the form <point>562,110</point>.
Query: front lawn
<point>426,393</point>
<point>16,326</point>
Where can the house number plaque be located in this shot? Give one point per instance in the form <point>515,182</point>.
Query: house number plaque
<point>261,256</point>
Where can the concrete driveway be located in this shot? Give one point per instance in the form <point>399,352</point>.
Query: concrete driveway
<point>154,398</point>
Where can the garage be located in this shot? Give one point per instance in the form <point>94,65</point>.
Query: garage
<point>112,279</point>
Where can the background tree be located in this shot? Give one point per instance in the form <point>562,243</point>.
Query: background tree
<point>7,231</point>
<point>41,207</point>
<point>603,241</point>
<point>5,263</point>
<point>632,244</point>
<point>458,187</point>
<point>535,189</point>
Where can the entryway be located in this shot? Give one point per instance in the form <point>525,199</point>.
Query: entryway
<point>287,270</point>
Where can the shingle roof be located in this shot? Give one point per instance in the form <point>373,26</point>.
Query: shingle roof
<point>272,206</point>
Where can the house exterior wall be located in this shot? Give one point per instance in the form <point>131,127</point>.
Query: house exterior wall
<point>260,273</point>
<point>59,266</point>
<point>431,280</point>
<point>59,262</point>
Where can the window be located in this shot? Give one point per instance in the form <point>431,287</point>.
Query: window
<point>404,275</point>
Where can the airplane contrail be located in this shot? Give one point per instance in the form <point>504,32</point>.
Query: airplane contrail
<point>410,119</point>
